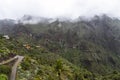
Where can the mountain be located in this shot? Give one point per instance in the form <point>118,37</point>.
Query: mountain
<point>94,42</point>
<point>88,49</point>
<point>6,26</point>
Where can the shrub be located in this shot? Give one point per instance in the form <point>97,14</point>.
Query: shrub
<point>3,77</point>
<point>5,69</point>
<point>26,64</point>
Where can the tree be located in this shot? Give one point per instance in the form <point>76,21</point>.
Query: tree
<point>26,63</point>
<point>62,70</point>
<point>59,68</point>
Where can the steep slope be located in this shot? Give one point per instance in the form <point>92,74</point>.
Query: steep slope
<point>39,63</point>
<point>95,42</point>
<point>86,49</point>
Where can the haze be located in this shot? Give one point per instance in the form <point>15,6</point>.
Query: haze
<point>58,8</point>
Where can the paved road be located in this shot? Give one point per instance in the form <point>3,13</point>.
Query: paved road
<point>9,60</point>
<point>14,68</point>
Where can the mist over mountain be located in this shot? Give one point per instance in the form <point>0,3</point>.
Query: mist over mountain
<point>82,49</point>
<point>59,39</point>
<point>58,8</point>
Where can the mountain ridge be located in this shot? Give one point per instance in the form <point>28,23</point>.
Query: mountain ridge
<point>93,45</point>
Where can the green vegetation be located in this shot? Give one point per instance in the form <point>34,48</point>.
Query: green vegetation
<point>4,69</point>
<point>82,50</point>
<point>3,77</point>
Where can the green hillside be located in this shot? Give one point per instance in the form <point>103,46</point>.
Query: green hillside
<point>64,50</point>
<point>39,63</point>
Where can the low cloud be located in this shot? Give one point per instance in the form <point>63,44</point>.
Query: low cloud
<point>57,8</point>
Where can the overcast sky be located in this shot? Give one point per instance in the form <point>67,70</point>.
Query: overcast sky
<point>57,8</point>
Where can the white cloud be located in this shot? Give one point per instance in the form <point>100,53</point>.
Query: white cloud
<point>56,8</point>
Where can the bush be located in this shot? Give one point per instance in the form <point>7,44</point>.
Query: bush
<point>5,69</point>
<point>3,77</point>
<point>26,64</point>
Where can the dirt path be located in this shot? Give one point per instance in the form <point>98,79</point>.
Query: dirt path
<point>14,68</point>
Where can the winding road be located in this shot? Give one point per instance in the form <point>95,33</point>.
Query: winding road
<point>9,60</point>
<point>14,68</point>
